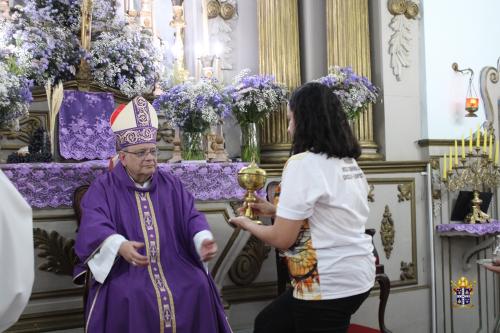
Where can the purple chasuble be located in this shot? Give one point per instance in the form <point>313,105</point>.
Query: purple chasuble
<point>173,293</point>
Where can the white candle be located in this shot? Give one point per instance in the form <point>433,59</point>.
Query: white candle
<point>206,41</point>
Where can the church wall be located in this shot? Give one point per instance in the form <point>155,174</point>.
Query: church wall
<point>397,117</point>
<point>463,32</point>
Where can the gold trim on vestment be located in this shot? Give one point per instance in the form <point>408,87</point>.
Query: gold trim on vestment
<point>171,299</point>
<point>150,270</point>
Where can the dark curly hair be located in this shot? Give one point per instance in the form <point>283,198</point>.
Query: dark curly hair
<point>321,125</point>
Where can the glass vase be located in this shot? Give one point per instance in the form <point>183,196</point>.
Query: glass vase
<point>250,149</point>
<point>192,146</point>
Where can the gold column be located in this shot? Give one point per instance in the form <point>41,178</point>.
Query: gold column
<point>279,56</point>
<point>348,44</point>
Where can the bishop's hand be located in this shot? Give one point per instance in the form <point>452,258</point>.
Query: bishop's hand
<point>208,250</point>
<point>128,250</point>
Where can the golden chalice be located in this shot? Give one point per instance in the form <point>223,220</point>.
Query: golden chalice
<point>251,178</point>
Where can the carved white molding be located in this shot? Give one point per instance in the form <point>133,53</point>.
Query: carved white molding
<point>399,43</point>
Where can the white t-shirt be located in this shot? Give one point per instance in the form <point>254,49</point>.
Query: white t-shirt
<point>332,257</point>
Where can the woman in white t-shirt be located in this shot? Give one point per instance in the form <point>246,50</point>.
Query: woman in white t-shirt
<point>319,221</point>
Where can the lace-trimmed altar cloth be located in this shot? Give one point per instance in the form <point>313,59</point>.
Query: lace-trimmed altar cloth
<point>84,129</point>
<point>46,185</point>
<point>477,229</point>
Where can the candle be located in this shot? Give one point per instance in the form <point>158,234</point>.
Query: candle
<point>451,160</point>
<point>490,155</point>
<point>478,142</point>
<point>463,147</point>
<point>485,143</point>
<point>456,153</point>
<point>444,167</point>
<point>470,140</point>
<point>206,40</point>
<point>496,153</point>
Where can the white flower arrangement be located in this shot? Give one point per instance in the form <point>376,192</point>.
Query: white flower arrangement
<point>194,106</point>
<point>355,92</point>
<point>255,96</point>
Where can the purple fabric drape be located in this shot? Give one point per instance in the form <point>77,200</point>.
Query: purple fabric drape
<point>84,130</point>
<point>46,185</point>
<point>474,229</point>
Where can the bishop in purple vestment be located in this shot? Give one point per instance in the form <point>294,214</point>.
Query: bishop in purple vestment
<point>144,242</point>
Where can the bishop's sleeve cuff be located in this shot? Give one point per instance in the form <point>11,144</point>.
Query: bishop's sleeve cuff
<point>102,261</point>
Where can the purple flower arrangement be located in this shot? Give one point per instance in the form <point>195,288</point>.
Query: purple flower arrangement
<point>15,91</point>
<point>355,92</point>
<point>47,31</point>
<point>255,97</point>
<point>126,59</point>
<point>193,107</point>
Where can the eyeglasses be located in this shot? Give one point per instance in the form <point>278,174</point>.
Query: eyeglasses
<point>143,153</point>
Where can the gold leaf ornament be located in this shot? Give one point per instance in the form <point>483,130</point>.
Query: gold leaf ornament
<point>412,10</point>
<point>227,11</point>
<point>213,9</point>
<point>397,7</point>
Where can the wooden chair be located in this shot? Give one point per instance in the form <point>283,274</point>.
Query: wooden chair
<point>283,279</point>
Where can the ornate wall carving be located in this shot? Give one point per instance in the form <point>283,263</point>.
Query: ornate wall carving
<point>387,232</point>
<point>399,44</point>
<point>247,265</point>
<point>57,252</point>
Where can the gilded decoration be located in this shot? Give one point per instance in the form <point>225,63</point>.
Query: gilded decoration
<point>225,9</point>
<point>27,126</point>
<point>55,250</point>
<point>407,271</point>
<point>387,232</point>
<point>213,9</point>
<point>348,21</point>
<point>247,265</point>
<point>405,191</point>
<point>371,195</point>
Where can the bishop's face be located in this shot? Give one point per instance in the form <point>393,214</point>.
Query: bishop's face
<point>140,161</point>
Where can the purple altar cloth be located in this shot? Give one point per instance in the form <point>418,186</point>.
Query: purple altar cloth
<point>84,130</point>
<point>46,185</point>
<point>476,229</point>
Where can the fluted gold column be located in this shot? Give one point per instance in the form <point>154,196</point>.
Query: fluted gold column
<point>279,56</point>
<point>348,44</point>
